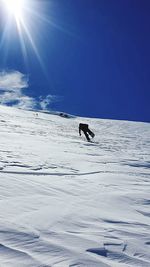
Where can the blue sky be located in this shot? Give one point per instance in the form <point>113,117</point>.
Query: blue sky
<point>85,57</point>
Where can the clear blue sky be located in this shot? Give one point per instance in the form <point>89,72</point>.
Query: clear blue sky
<point>93,55</point>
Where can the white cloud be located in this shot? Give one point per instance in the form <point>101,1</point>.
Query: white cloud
<point>12,93</point>
<point>18,100</point>
<point>13,81</point>
<point>26,102</point>
<point>49,99</point>
<point>11,90</point>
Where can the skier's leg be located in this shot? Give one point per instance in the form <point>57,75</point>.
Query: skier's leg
<point>91,133</point>
<point>86,135</point>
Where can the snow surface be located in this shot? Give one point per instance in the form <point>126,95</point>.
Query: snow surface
<point>65,202</point>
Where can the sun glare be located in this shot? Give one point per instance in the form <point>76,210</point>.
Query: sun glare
<point>15,7</point>
<point>26,15</point>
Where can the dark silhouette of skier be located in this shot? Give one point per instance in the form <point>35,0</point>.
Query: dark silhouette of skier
<point>85,129</point>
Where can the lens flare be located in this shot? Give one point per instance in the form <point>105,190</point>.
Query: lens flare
<point>27,18</point>
<point>21,11</point>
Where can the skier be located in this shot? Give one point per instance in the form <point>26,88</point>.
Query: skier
<point>85,128</point>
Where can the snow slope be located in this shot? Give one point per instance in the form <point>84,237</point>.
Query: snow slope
<point>65,202</point>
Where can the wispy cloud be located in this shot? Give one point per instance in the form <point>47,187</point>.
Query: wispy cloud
<point>13,81</point>
<point>12,93</point>
<point>47,101</point>
<point>11,90</point>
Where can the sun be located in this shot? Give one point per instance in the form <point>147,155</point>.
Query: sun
<point>24,18</point>
<point>15,8</point>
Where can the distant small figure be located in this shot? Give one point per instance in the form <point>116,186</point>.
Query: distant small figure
<point>85,129</point>
<point>64,115</point>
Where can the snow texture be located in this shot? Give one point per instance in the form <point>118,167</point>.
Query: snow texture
<point>65,202</point>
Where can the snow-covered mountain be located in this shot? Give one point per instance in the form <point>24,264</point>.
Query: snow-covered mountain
<point>65,202</point>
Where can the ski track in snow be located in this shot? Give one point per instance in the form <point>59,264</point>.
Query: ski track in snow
<point>68,203</point>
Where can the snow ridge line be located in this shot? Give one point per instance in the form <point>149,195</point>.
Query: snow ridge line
<point>52,173</point>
